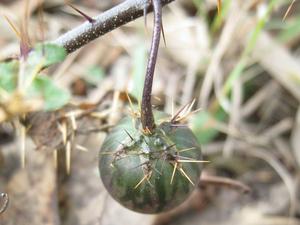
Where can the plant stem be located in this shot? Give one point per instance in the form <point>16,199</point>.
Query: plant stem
<point>104,23</point>
<point>146,108</point>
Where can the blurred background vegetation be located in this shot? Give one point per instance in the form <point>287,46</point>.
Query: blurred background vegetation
<point>242,67</point>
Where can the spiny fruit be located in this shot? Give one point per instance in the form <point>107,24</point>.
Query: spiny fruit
<point>150,173</point>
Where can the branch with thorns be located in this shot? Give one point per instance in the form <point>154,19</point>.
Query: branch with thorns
<point>104,23</point>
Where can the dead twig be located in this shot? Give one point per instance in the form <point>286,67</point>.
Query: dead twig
<point>4,202</point>
<point>207,180</point>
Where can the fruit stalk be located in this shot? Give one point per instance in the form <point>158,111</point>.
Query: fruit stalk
<point>147,117</point>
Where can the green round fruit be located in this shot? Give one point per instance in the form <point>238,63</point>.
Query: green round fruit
<point>150,173</point>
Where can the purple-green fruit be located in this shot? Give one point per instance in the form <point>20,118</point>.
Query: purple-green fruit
<point>150,173</point>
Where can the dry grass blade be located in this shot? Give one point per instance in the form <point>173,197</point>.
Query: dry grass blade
<point>279,62</point>
<point>279,128</point>
<point>13,27</point>
<point>288,10</point>
<point>280,169</point>
<point>222,46</point>
<point>55,162</point>
<point>219,6</point>
<point>262,95</point>
<point>82,148</point>
<point>68,157</point>
<point>235,116</point>
<point>4,200</point>
<point>295,137</point>
<point>64,131</point>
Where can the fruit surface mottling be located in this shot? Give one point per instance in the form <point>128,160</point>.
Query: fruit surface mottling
<point>150,173</point>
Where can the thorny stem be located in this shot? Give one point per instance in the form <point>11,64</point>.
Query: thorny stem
<point>146,108</point>
<point>104,23</point>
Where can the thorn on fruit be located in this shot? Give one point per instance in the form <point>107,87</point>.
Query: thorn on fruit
<point>174,171</point>
<point>186,176</point>
<point>169,147</point>
<point>132,139</point>
<point>147,176</point>
<point>183,112</point>
<point>186,149</point>
<point>140,182</point>
<point>147,131</point>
